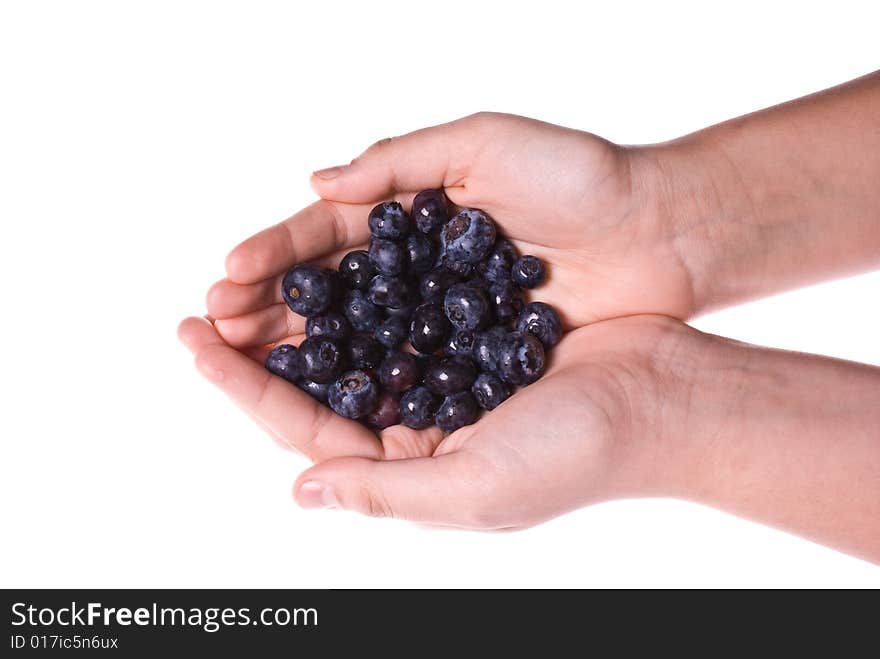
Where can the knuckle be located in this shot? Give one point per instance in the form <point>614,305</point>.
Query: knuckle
<point>380,145</point>
<point>484,119</point>
<point>375,504</point>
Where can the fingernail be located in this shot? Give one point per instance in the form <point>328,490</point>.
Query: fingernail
<point>313,494</point>
<point>329,173</point>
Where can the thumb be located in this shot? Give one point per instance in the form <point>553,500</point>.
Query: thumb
<point>437,489</point>
<point>434,157</point>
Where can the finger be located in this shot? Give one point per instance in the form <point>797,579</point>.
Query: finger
<point>227,299</point>
<point>431,489</point>
<point>401,442</point>
<point>434,157</point>
<point>315,231</point>
<point>261,327</point>
<point>293,415</point>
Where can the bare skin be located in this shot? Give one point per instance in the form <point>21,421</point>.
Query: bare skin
<point>642,404</point>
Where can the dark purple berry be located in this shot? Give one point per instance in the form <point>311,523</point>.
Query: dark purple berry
<point>468,237</point>
<point>388,257</point>
<point>428,328</point>
<point>282,361</point>
<point>466,307</point>
<point>460,269</point>
<point>317,390</point>
<point>435,284</point>
<point>353,395</point>
<point>399,371</point>
<point>418,407</point>
<point>456,411</point>
<point>450,375</point>
<point>320,359</point>
<point>307,289</point>
<point>460,344</point>
<point>520,359</point>
<point>330,325</point>
<point>356,269</point>
<point>389,220</point>
<point>404,312</point>
<point>386,412</point>
<point>362,314</point>
<point>385,291</point>
<point>507,300</point>
<point>429,211</point>
<point>542,321</point>
<point>497,265</point>
<point>486,348</point>
<point>527,271</point>
<point>365,352</point>
<point>420,253</point>
<point>489,391</point>
<point>392,331</point>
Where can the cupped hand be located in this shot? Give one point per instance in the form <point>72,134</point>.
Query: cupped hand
<point>599,425</point>
<point>591,429</point>
<point>591,209</point>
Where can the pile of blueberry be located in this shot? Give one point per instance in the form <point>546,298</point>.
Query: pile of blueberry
<point>450,288</point>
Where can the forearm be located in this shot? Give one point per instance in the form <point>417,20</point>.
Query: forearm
<point>787,439</point>
<point>776,199</point>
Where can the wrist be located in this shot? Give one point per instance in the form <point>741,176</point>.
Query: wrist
<point>652,365</point>
<point>704,210</point>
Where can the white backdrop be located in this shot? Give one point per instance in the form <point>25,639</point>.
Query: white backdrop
<point>140,141</point>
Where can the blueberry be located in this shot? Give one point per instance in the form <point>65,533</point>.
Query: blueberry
<point>356,269</point>
<point>461,269</point>
<point>307,289</point>
<point>320,359</point>
<point>330,324</point>
<point>365,352</point>
<point>399,371</point>
<point>542,321</point>
<point>282,361</point>
<point>362,314</point>
<point>450,375</point>
<point>420,253</point>
<point>429,210</point>
<point>434,284</point>
<point>486,348</point>
<point>457,410</point>
<point>418,407</point>
<point>387,256</point>
<point>386,413</point>
<point>405,312</point>
<point>353,395</point>
<point>527,271</point>
<point>520,359</point>
<point>385,291</point>
<point>460,344</point>
<point>507,300</point>
<point>497,265</point>
<point>428,328</point>
<point>466,307</point>
<point>317,390</point>
<point>392,331</point>
<point>468,237</point>
<point>389,220</point>
<point>489,391</point>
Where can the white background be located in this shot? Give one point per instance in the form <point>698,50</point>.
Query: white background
<point>140,141</point>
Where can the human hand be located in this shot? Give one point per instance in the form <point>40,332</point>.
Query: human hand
<point>593,428</point>
<point>588,208</point>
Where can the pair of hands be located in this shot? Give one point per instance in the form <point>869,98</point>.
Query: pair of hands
<point>595,427</point>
